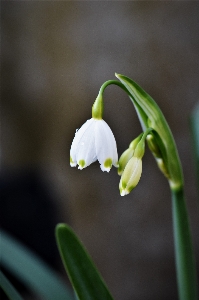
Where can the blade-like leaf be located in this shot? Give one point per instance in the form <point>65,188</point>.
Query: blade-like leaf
<point>31,270</point>
<point>8,288</point>
<point>194,120</point>
<point>86,281</point>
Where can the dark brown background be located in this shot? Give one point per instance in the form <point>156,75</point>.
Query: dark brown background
<point>55,57</point>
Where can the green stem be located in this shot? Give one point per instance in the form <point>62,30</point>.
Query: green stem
<point>108,82</point>
<point>98,105</point>
<point>185,263</point>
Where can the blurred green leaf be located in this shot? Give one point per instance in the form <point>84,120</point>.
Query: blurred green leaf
<point>8,288</point>
<point>32,271</point>
<point>82,273</point>
<point>194,120</point>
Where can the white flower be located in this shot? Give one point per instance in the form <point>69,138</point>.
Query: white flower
<point>94,141</point>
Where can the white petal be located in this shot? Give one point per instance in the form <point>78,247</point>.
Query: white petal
<point>86,147</point>
<point>75,144</point>
<point>105,144</point>
<point>73,164</point>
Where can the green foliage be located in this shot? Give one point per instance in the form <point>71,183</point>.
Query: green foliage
<point>32,271</point>
<point>8,288</point>
<point>194,122</point>
<point>86,281</point>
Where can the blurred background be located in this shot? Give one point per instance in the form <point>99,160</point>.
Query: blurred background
<point>55,57</point>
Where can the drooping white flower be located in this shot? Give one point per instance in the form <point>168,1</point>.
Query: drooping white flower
<point>94,141</point>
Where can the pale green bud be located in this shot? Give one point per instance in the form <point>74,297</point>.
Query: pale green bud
<point>140,149</point>
<point>130,176</point>
<point>155,149</point>
<point>153,145</point>
<point>162,167</point>
<point>128,154</point>
<point>134,143</point>
<point>124,158</point>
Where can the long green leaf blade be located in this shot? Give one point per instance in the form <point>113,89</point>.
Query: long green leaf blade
<point>82,273</point>
<point>194,120</point>
<point>31,270</point>
<point>8,288</point>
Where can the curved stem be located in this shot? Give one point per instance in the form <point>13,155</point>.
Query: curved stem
<point>109,82</point>
<point>184,256</point>
<point>98,105</point>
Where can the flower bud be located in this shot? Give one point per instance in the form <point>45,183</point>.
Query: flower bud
<point>153,145</point>
<point>128,154</point>
<point>130,176</point>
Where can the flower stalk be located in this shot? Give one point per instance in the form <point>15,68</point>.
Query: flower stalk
<point>162,145</point>
<point>185,261</point>
<point>165,152</point>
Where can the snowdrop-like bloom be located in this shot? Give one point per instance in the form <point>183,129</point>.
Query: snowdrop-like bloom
<point>94,141</point>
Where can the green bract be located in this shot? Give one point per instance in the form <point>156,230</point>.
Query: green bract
<point>151,116</point>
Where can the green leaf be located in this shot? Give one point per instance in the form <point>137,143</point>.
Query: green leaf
<point>194,120</point>
<point>84,277</point>
<point>8,288</point>
<point>32,271</point>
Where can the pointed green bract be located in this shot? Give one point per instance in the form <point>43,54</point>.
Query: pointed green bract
<point>150,115</point>
<point>86,281</point>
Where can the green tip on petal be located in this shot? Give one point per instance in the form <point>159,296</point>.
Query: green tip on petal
<point>81,164</point>
<point>108,163</point>
<point>72,163</point>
